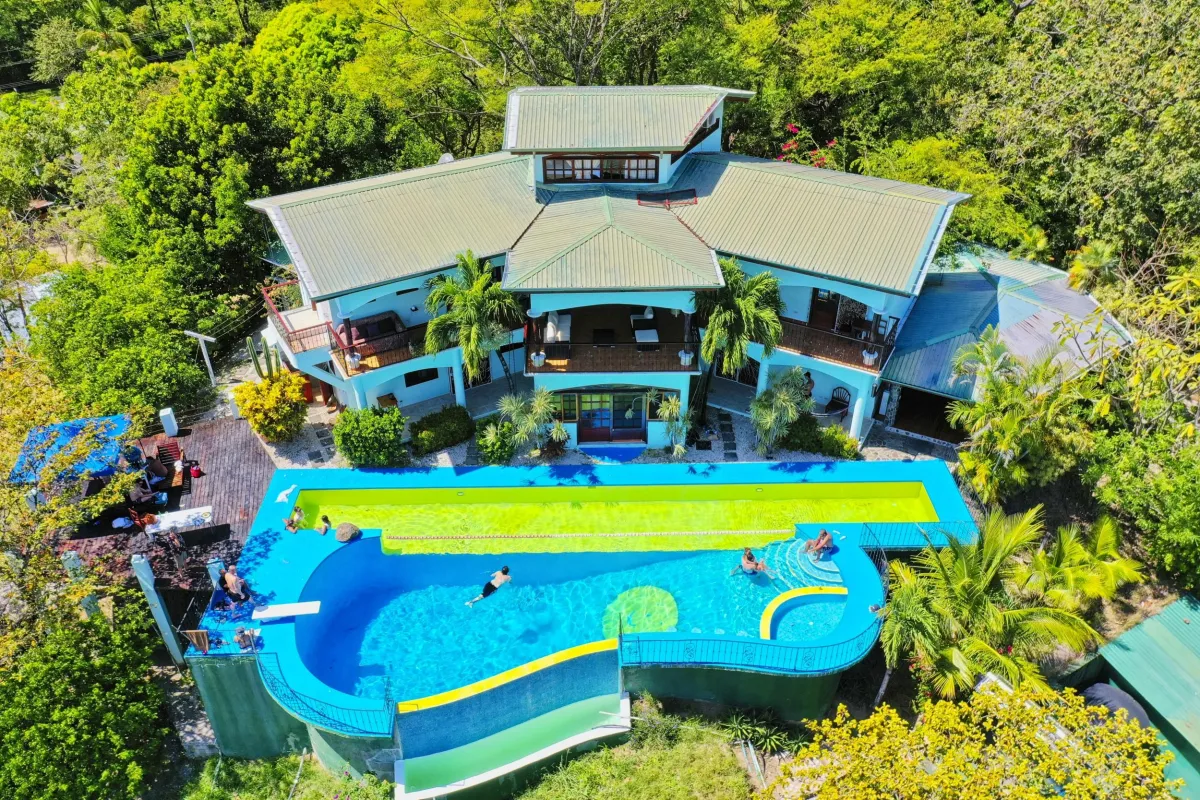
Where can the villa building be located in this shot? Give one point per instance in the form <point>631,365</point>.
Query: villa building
<point>606,213</point>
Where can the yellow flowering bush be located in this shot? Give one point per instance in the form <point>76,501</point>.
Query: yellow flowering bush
<point>1023,745</point>
<point>274,407</point>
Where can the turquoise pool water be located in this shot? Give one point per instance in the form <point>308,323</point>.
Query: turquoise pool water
<point>424,640</point>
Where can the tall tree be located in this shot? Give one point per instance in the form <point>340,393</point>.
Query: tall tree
<point>471,311</point>
<point>743,311</point>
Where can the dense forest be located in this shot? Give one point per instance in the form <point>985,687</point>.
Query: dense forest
<point>1074,125</point>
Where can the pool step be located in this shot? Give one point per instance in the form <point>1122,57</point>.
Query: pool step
<point>796,568</point>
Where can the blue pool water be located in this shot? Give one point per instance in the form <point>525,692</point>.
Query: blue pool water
<point>423,640</point>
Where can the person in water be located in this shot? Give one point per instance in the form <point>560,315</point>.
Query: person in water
<point>751,565</point>
<point>293,520</point>
<point>819,545</point>
<point>498,579</point>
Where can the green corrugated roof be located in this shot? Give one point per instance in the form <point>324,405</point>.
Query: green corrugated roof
<point>598,239</point>
<point>866,230</point>
<point>609,118</point>
<point>364,233</point>
<point>1160,660</point>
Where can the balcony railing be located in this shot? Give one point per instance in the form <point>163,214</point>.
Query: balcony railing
<point>581,357</point>
<point>381,351</point>
<point>829,346</point>
<point>282,300</point>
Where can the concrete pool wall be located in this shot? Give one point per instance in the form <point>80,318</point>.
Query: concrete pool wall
<point>290,707</point>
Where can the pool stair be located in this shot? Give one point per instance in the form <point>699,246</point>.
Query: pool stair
<point>502,757</point>
<point>796,569</point>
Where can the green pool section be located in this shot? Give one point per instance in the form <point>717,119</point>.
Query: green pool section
<point>610,518</point>
<point>505,747</point>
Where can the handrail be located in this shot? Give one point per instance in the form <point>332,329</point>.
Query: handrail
<point>373,723</point>
<point>800,337</point>
<point>299,340</point>
<point>386,349</point>
<point>748,655</point>
<point>623,357</point>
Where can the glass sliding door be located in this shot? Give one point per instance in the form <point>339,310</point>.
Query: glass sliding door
<point>595,417</point>
<point>629,417</point>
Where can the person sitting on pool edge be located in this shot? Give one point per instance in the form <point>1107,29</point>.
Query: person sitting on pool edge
<point>751,565</point>
<point>293,520</point>
<point>498,579</point>
<point>819,545</point>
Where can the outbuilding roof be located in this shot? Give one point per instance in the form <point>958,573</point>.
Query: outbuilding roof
<point>869,231</point>
<point>609,118</point>
<point>601,239</point>
<point>1025,301</point>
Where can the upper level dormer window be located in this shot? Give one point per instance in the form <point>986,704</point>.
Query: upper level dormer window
<point>600,168</point>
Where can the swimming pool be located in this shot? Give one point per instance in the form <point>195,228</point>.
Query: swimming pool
<point>409,607</point>
<point>619,518</point>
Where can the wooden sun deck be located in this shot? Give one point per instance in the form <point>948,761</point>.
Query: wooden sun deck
<point>236,473</point>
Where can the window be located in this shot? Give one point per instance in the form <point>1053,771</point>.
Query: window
<point>657,400</point>
<point>421,376</point>
<point>824,294</point>
<point>560,169</point>
<point>566,407</point>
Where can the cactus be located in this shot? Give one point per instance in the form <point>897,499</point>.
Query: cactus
<point>270,366</point>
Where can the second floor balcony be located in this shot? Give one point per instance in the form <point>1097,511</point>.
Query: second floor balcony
<point>617,338</point>
<point>861,349</point>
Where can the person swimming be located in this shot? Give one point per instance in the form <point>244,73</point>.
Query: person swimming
<point>498,579</point>
<point>751,565</point>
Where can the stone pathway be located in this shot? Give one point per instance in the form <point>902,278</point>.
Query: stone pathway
<point>728,435</point>
<point>187,714</point>
<point>472,458</point>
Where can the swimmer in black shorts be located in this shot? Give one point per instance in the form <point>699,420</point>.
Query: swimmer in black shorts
<point>498,579</point>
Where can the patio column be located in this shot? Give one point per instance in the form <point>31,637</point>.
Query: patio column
<point>764,376</point>
<point>460,385</point>
<point>860,411</point>
<point>145,577</point>
<point>360,395</point>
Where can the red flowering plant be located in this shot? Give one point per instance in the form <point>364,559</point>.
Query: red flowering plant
<point>802,148</point>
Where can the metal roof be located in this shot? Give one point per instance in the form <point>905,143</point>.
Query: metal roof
<point>609,118</point>
<point>363,233</point>
<point>601,239</point>
<point>1159,660</point>
<point>957,304</point>
<point>870,231</point>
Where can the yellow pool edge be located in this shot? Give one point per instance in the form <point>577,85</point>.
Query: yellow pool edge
<point>764,624</point>
<point>487,684</point>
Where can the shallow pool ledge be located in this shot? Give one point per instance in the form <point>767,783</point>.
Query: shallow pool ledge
<point>768,615</point>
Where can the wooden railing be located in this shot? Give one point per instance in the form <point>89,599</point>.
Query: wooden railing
<point>381,351</point>
<point>582,357</point>
<point>861,353</point>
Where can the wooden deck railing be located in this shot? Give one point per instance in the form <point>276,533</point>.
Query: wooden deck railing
<point>861,353</point>
<point>381,351</point>
<point>583,357</point>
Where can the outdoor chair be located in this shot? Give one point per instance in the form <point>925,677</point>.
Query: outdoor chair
<point>839,404</point>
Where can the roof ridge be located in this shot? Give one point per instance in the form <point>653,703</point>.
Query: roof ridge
<point>574,245</point>
<point>428,172</point>
<point>755,163</point>
<point>655,249</point>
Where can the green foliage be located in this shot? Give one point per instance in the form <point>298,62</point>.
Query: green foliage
<point>533,421</point>
<point>471,311</point>
<point>777,409</point>
<point>1027,425</point>
<point>80,718</point>
<point>56,53</point>
<point>268,779</point>
<point>372,437</point>
<point>994,745</point>
<point>496,439</point>
<point>959,612</point>
<point>1153,483</point>
<point>808,435</point>
<point>667,759</point>
<point>763,731</point>
<point>33,144</point>
<point>274,407</point>
<point>269,366</point>
<point>1077,567</point>
<point>441,429</point>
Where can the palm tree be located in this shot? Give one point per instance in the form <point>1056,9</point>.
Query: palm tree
<point>744,310</point>
<point>1093,262</point>
<point>477,315</point>
<point>101,29</point>
<point>1033,245</point>
<point>1077,567</point>
<point>532,417</point>
<point>773,412</point>
<point>953,616</point>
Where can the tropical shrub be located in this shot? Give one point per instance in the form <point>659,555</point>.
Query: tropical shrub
<point>994,745</point>
<point>274,407</point>
<point>441,429</point>
<point>806,434</point>
<point>238,779</point>
<point>675,422</point>
<point>957,613</point>
<point>533,422</point>
<point>1153,483</point>
<point>1077,567</point>
<point>774,411</point>
<point>80,718</point>
<point>496,439</point>
<point>372,437</point>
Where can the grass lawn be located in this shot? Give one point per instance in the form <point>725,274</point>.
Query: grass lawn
<point>271,779</point>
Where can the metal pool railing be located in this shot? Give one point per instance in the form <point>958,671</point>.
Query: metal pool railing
<point>375,723</point>
<point>746,654</point>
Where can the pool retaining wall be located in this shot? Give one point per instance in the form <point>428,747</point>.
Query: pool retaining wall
<point>792,698</point>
